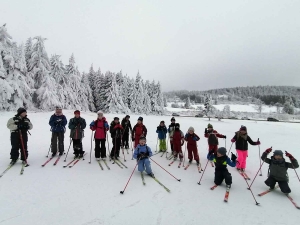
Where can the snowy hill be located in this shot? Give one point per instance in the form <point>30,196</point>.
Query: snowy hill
<point>86,195</point>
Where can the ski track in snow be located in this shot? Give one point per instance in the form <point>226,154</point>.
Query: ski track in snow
<point>86,195</point>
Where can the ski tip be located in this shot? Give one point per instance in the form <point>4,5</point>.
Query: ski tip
<point>256,203</point>
<point>260,174</point>
<point>248,189</point>
<point>179,180</point>
<point>121,192</point>
<point>199,183</point>
<point>225,201</point>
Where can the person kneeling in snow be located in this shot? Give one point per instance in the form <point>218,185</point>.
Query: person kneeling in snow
<point>278,169</point>
<point>221,160</point>
<point>142,153</point>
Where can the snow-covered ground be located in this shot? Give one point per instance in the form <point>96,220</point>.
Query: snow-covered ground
<point>86,195</point>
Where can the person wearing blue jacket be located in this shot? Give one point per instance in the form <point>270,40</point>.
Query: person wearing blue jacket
<point>162,135</point>
<point>142,153</point>
<point>58,124</point>
<point>221,161</point>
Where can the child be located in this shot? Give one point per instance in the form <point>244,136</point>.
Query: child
<point>127,127</point>
<point>241,140</point>
<point>58,123</point>
<point>18,126</point>
<point>171,130</point>
<point>142,153</point>
<point>212,137</point>
<point>162,131</point>
<point>138,130</point>
<point>278,169</point>
<point>221,160</point>
<point>177,139</point>
<point>100,126</point>
<point>77,126</point>
<point>191,138</point>
<point>116,131</point>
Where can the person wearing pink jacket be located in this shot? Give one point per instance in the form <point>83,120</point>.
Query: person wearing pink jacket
<point>100,126</point>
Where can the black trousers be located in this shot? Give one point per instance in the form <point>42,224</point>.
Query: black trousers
<point>171,144</point>
<point>60,137</point>
<point>125,140</point>
<point>283,185</point>
<point>77,146</point>
<point>16,145</point>
<point>100,149</point>
<point>220,175</point>
<point>115,151</point>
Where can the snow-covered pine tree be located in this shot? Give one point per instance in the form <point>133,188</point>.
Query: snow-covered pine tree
<point>147,100</point>
<point>153,97</point>
<point>187,104</point>
<point>88,92</point>
<point>207,105</point>
<point>28,52</point>
<point>99,92</point>
<point>138,95</point>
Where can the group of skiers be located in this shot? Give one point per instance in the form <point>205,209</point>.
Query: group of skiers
<point>19,125</point>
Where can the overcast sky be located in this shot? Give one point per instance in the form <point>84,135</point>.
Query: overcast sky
<point>194,45</point>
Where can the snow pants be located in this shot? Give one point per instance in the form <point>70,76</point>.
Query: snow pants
<point>213,147</point>
<point>171,145</point>
<point>136,141</point>
<point>145,164</point>
<point>220,175</point>
<point>57,136</point>
<point>177,151</point>
<point>242,157</point>
<point>283,185</point>
<point>125,139</point>
<point>100,149</point>
<point>162,145</point>
<point>193,151</point>
<point>77,146</point>
<point>115,151</point>
<point>16,145</point>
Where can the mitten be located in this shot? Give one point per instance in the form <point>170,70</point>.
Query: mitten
<point>195,138</point>
<point>224,136</point>
<point>232,140</point>
<point>92,124</point>
<point>205,131</point>
<point>258,143</point>
<point>233,157</point>
<point>211,152</point>
<point>20,126</point>
<point>268,150</point>
<point>288,155</point>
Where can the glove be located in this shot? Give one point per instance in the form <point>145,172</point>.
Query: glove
<point>258,143</point>
<point>268,150</point>
<point>92,124</point>
<point>211,152</point>
<point>232,140</point>
<point>233,157</point>
<point>195,138</point>
<point>224,136</point>
<point>288,155</point>
<point>20,126</point>
<point>205,131</point>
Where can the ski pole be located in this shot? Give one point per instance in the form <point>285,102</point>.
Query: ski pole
<point>259,158</point>
<point>167,144</point>
<point>203,172</point>
<point>108,148</point>
<point>23,148</point>
<point>156,145</point>
<point>165,170</point>
<point>91,147</point>
<point>229,148</point>
<point>49,151</point>
<point>123,148</point>
<point>293,167</point>
<point>184,155</point>
<point>249,188</point>
<point>68,149</point>
<point>225,142</point>
<point>131,147</point>
<point>122,192</point>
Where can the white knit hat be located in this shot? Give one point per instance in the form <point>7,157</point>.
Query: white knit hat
<point>192,129</point>
<point>100,113</point>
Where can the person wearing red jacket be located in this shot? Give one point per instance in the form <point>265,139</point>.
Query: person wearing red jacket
<point>191,138</point>
<point>116,131</point>
<point>177,139</point>
<point>100,126</point>
<point>212,138</point>
<point>138,131</point>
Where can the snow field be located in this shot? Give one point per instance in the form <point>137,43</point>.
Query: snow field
<point>85,194</point>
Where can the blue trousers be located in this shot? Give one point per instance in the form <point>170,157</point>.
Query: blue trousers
<point>144,164</point>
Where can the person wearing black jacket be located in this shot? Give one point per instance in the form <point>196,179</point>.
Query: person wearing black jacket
<point>116,131</point>
<point>171,130</point>
<point>127,127</point>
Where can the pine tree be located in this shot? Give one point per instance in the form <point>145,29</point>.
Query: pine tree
<point>88,92</point>
<point>187,104</point>
<point>28,52</point>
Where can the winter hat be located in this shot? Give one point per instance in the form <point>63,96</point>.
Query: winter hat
<point>77,112</point>
<point>278,152</point>
<point>58,108</point>
<point>116,118</point>
<point>243,128</point>
<point>162,122</point>
<point>100,113</point>
<point>209,126</point>
<point>222,150</point>
<point>142,138</point>
<point>20,111</point>
<point>173,119</point>
<point>191,129</point>
<point>140,119</point>
<point>127,116</point>
<point>177,126</point>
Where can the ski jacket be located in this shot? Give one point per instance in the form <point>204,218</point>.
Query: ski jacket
<point>177,138</point>
<point>162,132</point>
<point>139,130</point>
<point>142,149</point>
<point>116,130</point>
<point>242,141</point>
<point>221,162</point>
<point>171,129</point>
<point>12,123</point>
<point>126,125</point>
<point>58,123</point>
<point>278,169</point>
<point>212,137</point>
<point>191,140</point>
<point>100,126</point>
<point>77,126</point>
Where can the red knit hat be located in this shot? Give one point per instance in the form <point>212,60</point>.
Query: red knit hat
<point>77,112</point>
